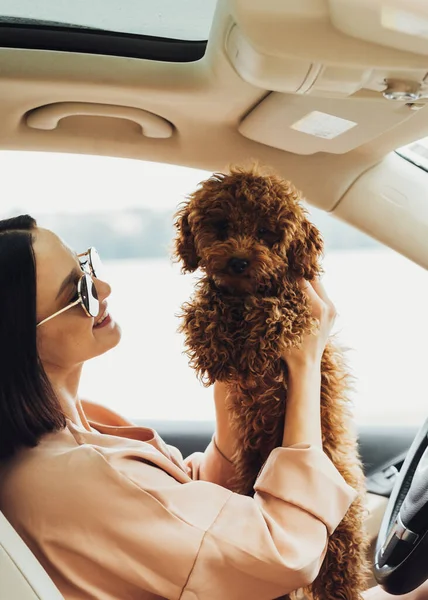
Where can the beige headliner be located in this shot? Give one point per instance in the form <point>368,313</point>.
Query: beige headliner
<point>206,101</point>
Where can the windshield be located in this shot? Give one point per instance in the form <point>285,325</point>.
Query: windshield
<point>125,209</point>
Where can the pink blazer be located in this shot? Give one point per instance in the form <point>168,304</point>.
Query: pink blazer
<point>116,514</point>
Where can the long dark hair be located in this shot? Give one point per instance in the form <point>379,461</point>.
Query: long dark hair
<point>28,405</point>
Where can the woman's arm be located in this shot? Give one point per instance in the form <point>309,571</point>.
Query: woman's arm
<point>223,429</point>
<point>199,540</point>
<point>303,422</point>
<point>303,418</point>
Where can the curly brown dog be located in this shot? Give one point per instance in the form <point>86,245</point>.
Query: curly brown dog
<point>249,234</point>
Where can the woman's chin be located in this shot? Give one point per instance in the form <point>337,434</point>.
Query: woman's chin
<point>116,333</point>
<point>109,333</point>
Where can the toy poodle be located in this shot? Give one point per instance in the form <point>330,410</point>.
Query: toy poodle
<point>248,233</point>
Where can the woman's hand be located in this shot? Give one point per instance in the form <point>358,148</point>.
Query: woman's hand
<point>313,344</point>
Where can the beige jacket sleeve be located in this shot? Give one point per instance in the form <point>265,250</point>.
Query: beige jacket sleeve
<point>198,540</point>
<point>192,539</point>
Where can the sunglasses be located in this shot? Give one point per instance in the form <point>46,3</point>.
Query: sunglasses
<point>87,295</point>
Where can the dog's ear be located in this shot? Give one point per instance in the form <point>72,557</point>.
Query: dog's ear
<point>185,250</point>
<point>305,251</point>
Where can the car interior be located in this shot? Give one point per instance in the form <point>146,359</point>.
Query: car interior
<point>322,91</point>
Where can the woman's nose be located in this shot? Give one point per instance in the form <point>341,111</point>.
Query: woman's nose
<point>103,289</point>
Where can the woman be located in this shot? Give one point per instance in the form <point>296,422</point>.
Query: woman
<point>108,508</point>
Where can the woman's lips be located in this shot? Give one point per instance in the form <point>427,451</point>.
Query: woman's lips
<point>104,322</point>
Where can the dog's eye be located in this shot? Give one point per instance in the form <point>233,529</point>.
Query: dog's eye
<point>221,227</point>
<point>267,236</point>
<point>221,224</point>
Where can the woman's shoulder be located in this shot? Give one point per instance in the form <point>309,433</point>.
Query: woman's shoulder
<point>69,467</point>
<point>76,456</point>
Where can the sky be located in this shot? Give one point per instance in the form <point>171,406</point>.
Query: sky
<point>38,183</point>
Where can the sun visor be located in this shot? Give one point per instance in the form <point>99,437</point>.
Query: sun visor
<point>306,124</point>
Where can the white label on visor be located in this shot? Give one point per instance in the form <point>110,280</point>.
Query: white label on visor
<point>323,125</point>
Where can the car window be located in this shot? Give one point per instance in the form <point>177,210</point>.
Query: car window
<point>125,207</point>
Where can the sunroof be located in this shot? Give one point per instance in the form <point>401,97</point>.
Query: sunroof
<point>188,20</point>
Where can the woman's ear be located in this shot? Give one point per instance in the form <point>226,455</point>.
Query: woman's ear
<point>305,251</point>
<point>184,249</point>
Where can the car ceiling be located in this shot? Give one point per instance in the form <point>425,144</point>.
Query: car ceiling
<point>266,66</point>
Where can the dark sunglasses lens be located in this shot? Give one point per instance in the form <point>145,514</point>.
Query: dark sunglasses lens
<point>89,296</point>
<point>96,264</point>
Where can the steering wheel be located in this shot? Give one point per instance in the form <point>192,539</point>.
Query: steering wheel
<point>401,560</point>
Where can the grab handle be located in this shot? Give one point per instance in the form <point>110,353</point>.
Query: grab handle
<point>47,117</point>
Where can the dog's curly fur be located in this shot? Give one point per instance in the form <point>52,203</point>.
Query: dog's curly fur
<point>238,325</point>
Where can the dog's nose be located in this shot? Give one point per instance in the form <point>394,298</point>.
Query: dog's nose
<point>238,265</point>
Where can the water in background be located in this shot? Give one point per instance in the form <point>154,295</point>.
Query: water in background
<point>381,298</point>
